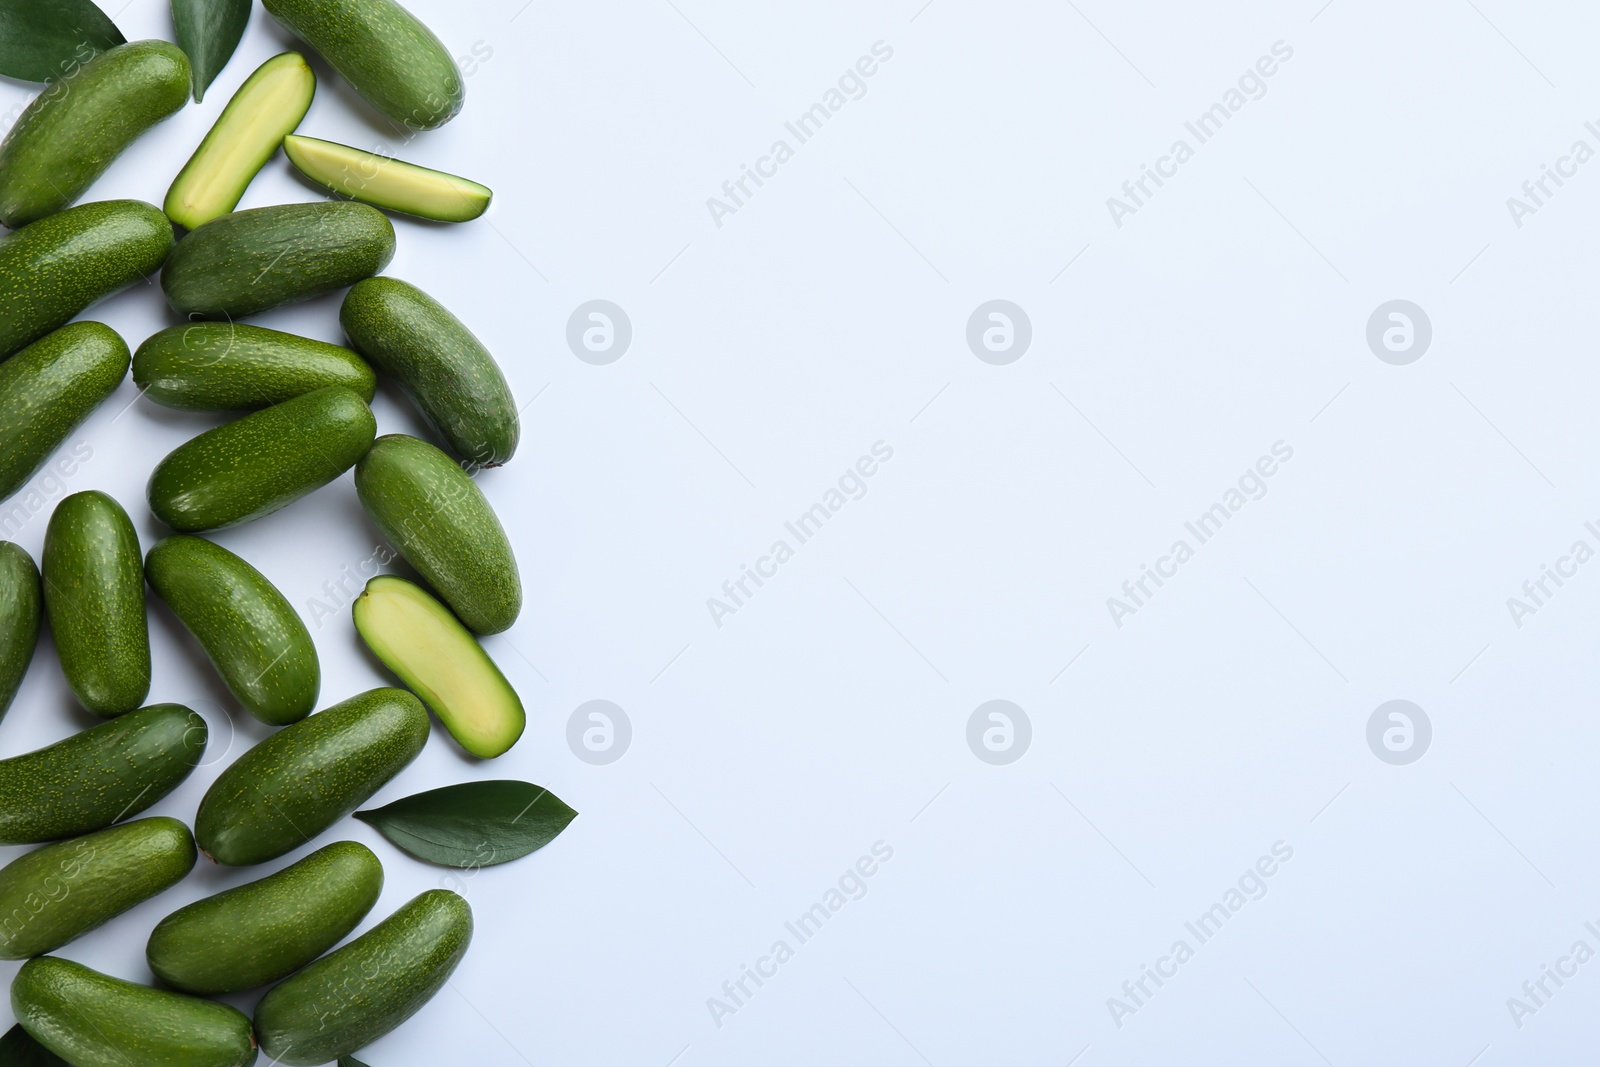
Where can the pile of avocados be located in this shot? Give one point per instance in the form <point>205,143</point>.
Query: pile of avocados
<point>301,420</point>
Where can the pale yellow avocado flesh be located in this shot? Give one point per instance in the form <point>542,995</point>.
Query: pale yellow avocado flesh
<point>437,658</point>
<point>267,107</point>
<point>385,182</point>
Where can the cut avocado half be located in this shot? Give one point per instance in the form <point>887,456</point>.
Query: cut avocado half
<point>385,182</point>
<point>418,639</point>
<point>267,107</point>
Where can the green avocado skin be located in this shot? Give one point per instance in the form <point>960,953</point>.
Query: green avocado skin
<point>94,597</point>
<point>387,54</point>
<point>443,368</point>
<point>441,523</point>
<point>48,389</point>
<point>228,366</point>
<point>103,775</point>
<point>303,779</point>
<point>355,995</point>
<point>249,261</point>
<point>21,606</point>
<point>60,892</point>
<point>73,130</point>
<point>248,630</point>
<point>268,929</point>
<point>262,462</point>
<point>53,269</point>
<point>90,1019</point>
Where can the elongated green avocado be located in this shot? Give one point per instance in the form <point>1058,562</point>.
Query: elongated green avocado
<point>73,130</point>
<point>100,776</point>
<point>386,182</point>
<point>58,266</point>
<point>94,596</point>
<point>48,389</point>
<point>255,465</point>
<point>445,370</point>
<point>418,639</point>
<point>60,892</point>
<point>356,994</point>
<point>248,630</point>
<point>268,929</point>
<point>232,366</point>
<point>440,522</point>
<point>90,1019</point>
<point>304,778</point>
<point>267,107</point>
<point>249,261</point>
<point>384,51</point>
<point>20,610</point>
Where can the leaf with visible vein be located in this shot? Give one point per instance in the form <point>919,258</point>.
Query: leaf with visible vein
<point>42,40</point>
<point>476,824</point>
<point>209,31</point>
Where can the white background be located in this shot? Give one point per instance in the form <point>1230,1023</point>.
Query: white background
<point>830,712</point>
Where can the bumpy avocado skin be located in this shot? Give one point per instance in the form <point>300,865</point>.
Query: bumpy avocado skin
<point>48,389</point>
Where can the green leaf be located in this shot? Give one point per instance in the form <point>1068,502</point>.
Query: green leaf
<point>477,824</point>
<point>350,1061</point>
<point>17,1049</point>
<point>209,31</point>
<point>42,40</point>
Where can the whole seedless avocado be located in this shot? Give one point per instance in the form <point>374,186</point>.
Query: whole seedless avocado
<point>94,596</point>
<point>60,892</point>
<point>48,389</point>
<point>100,776</point>
<point>356,994</point>
<point>73,130</point>
<point>20,609</point>
<point>90,1019</point>
<point>60,265</point>
<point>249,261</point>
<point>232,366</point>
<point>444,369</point>
<point>439,520</point>
<point>304,778</point>
<point>267,930</point>
<point>248,630</point>
<point>255,465</point>
<point>385,52</point>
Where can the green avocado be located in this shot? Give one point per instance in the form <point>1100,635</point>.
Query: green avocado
<point>100,776</point>
<point>440,522</point>
<point>418,639</point>
<point>356,994</point>
<point>90,1019</point>
<point>268,929</point>
<point>255,465</point>
<point>306,777</point>
<point>48,389</point>
<point>267,107</point>
<point>248,630</point>
<point>232,366</point>
<point>20,610</point>
<point>249,261</point>
<point>60,892</point>
<point>443,368</point>
<point>54,269</point>
<point>384,51</point>
<point>386,182</point>
<point>73,129</point>
<point>94,597</point>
